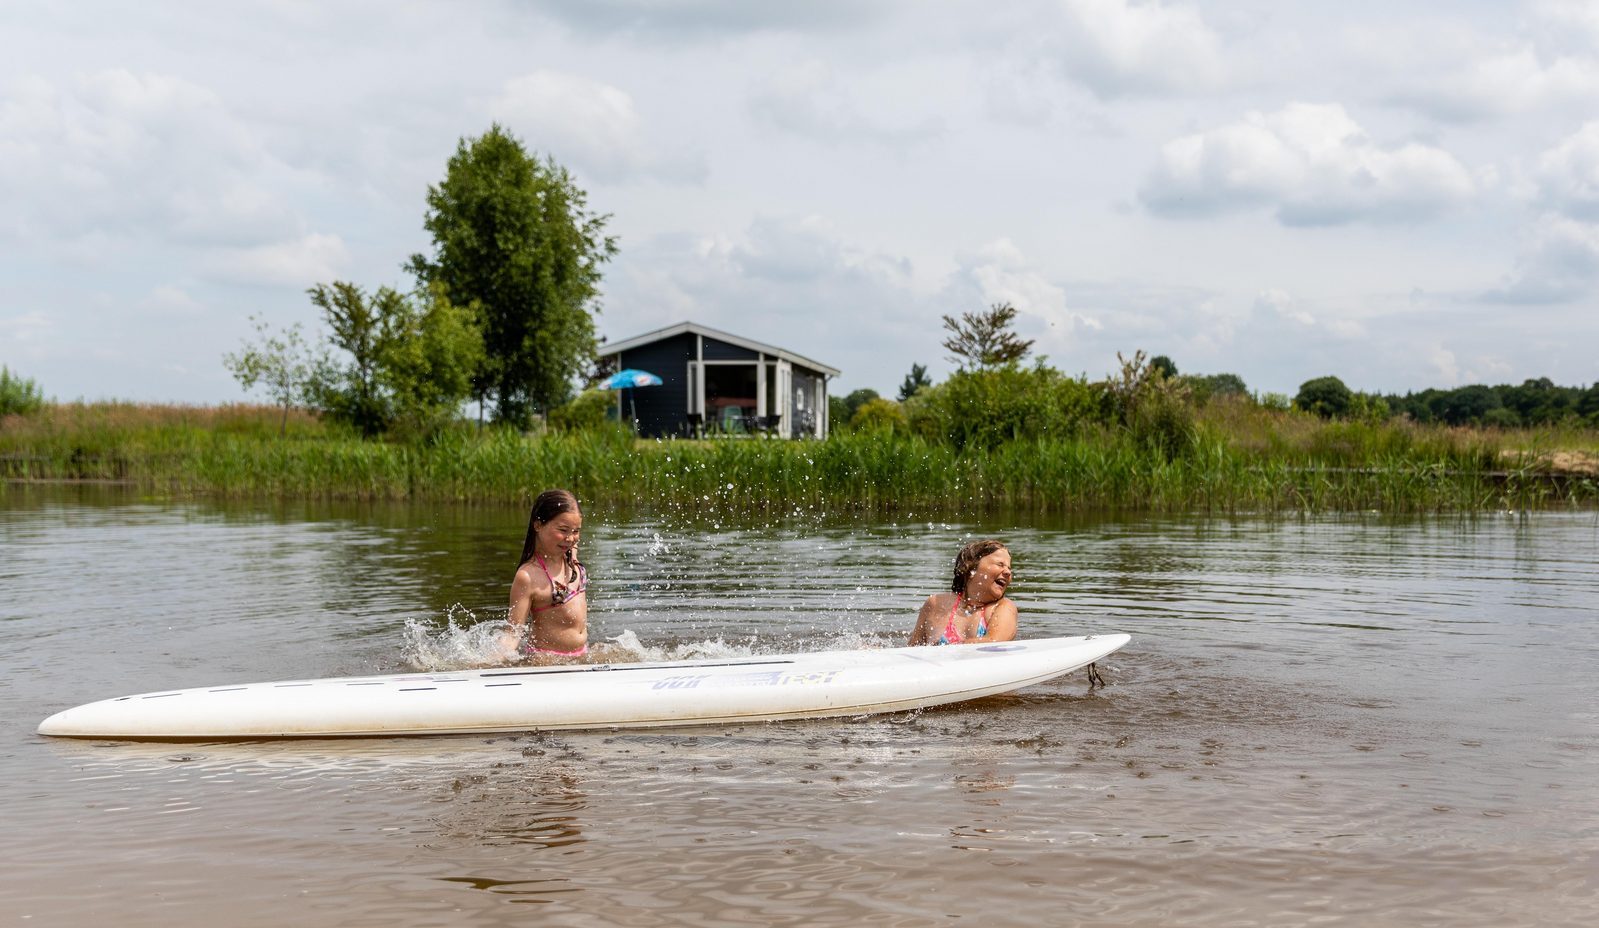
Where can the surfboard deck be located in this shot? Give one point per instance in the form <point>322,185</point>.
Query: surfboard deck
<point>587,696</point>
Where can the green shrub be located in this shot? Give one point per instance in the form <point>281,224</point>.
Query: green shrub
<point>1152,407</point>
<point>1203,388</point>
<point>880,415</point>
<point>589,411</point>
<point>987,408</point>
<point>18,395</point>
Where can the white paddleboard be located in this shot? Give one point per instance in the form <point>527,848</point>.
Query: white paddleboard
<point>642,695</point>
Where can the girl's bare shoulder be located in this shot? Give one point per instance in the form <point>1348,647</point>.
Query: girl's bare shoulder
<point>526,578</point>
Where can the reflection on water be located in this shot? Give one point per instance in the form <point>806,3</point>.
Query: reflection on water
<point>1359,721</point>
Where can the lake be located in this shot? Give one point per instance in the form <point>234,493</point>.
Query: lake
<point>1362,720</point>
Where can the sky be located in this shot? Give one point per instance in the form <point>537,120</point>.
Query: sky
<point>1402,194</point>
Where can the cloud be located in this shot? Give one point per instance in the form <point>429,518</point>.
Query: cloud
<point>301,262</point>
<point>1498,85</point>
<point>1119,48</point>
<point>590,125</point>
<point>709,18</point>
<point>136,155</point>
<point>170,301</point>
<point>1561,264</point>
<point>1568,175</point>
<point>1000,272</point>
<point>1571,21</point>
<point>808,99</point>
<point>1311,164</point>
<point>790,281</point>
<point>27,332</point>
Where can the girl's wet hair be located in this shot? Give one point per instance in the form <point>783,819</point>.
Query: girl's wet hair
<point>967,559</point>
<point>547,506</point>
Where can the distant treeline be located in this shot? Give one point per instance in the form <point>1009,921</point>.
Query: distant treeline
<point>1533,403</point>
<point>989,398</point>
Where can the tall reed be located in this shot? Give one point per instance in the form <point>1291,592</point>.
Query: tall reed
<point>1259,461</point>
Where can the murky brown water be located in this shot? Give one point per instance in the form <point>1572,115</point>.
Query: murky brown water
<point>1359,720</point>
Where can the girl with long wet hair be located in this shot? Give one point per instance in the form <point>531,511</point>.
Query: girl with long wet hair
<point>549,611</point>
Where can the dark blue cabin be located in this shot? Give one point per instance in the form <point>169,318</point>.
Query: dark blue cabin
<point>713,382</point>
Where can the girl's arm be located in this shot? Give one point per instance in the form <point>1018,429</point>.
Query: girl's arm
<point>926,622</point>
<point>521,607</point>
<point>1002,622</point>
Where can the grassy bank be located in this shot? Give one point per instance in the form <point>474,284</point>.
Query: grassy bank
<point>1241,460</point>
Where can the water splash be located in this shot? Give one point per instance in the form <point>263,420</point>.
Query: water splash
<point>463,642</point>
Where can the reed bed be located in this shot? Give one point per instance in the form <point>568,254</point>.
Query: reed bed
<point>1259,461</point>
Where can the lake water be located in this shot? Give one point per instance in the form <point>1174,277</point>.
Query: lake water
<point>1357,720</point>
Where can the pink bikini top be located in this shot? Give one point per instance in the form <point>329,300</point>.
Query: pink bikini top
<point>560,595</point>
<point>952,634</point>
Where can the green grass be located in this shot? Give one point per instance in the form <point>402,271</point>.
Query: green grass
<point>1241,460</point>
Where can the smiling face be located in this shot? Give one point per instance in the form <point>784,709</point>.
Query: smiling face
<point>560,535</point>
<point>990,578</point>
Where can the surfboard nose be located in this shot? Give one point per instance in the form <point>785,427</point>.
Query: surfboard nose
<point>92,719</point>
<point>59,725</point>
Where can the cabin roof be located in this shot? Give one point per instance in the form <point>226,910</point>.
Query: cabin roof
<point>639,341</point>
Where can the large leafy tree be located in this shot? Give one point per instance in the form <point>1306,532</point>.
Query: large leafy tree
<point>512,233</point>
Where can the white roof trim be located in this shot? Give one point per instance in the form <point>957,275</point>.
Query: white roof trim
<point>639,341</point>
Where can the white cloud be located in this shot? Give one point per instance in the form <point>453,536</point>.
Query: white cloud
<point>1560,264</point>
<point>136,155</point>
<point>1574,19</point>
<point>169,300</point>
<point>1443,361</point>
<point>1503,84</point>
<point>708,18</point>
<point>1568,175</point>
<point>26,331</point>
<point>1310,163</point>
<point>300,262</point>
<point>1280,303</point>
<point>789,281</point>
<point>810,99</point>
<point>1123,48</point>
<point>591,125</point>
<point>1000,272</point>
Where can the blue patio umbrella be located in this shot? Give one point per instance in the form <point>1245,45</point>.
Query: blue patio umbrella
<point>627,380</point>
<point>621,380</point>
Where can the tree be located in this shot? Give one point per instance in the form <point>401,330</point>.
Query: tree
<point>513,234</point>
<point>1464,405</point>
<point>361,328</point>
<point>1588,404</point>
<point>914,382</point>
<point>1325,396</point>
<point>409,360</point>
<point>1164,365</point>
<point>841,409</point>
<point>283,363</point>
<point>984,340</point>
<point>428,363</point>
<point>1207,387</point>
